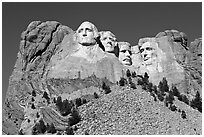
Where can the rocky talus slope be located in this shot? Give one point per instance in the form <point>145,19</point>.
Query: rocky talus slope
<point>134,112</point>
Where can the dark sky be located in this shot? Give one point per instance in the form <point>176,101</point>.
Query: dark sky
<point>128,21</point>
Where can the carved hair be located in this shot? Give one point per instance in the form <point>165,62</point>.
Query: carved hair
<point>120,44</point>
<point>144,40</point>
<point>102,33</point>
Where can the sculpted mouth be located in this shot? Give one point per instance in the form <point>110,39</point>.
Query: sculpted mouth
<point>126,59</point>
<point>145,59</point>
<point>109,43</point>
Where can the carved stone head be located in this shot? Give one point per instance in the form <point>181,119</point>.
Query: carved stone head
<point>86,34</point>
<point>125,53</point>
<point>108,40</point>
<point>148,50</point>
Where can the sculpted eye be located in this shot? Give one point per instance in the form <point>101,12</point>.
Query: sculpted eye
<point>149,48</point>
<point>130,52</point>
<point>79,31</point>
<point>111,39</point>
<point>89,30</point>
<point>104,38</point>
<point>141,50</point>
<point>200,55</point>
<point>123,51</point>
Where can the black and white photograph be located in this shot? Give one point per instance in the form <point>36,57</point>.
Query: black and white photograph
<point>101,68</point>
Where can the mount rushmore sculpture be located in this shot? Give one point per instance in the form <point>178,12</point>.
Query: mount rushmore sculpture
<point>55,60</point>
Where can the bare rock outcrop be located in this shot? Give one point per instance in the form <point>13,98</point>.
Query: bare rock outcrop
<point>175,60</point>
<point>189,57</point>
<point>38,43</point>
<point>54,63</point>
<point>133,112</point>
<point>43,46</point>
<point>193,67</point>
<point>160,60</point>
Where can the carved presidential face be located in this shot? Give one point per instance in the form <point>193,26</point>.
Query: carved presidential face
<point>148,52</point>
<point>125,53</point>
<point>108,40</point>
<point>87,34</point>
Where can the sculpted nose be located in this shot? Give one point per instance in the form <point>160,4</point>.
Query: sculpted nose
<point>145,55</point>
<point>127,53</point>
<point>109,42</point>
<point>84,33</point>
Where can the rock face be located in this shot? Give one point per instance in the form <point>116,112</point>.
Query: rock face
<point>50,70</point>
<point>74,66</point>
<point>38,43</point>
<point>42,46</point>
<point>178,62</point>
<point>164,63</point>
<point>193,67</point>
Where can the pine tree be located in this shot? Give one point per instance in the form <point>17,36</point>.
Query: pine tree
<point>183,114</point>
<point>155,89</point>
<point>173,107</point>
<point>128,74</point>
<point>134,74</point>
<point>170,97</point>
<point>146,78</point>
<point>96,95</point>
<point>33,106</point>
<point>140,81</point>
<point>78,102</point>
<point>45,95</point>
<point>42,126</point>
<point>132,85</point>
<point>166,102</point>
<point>160,86</point>
<point>21,132</point>
<point>149,87</point>
<point>54,100</point>
<point>165,85</point>
<point>59,103</point>
<point>129,80</point>
<point>75,117</point>
<point>160,96</point>
<point>175,91</point>
<point>51,128</point>
<point>197,102</point>
<point>69,131</point>
<point>84,101</point>
<point>33,93</point>
<point>185,99</point>
<point>86,132</point>
<point>66,108</point>
<point>122,81</point>
<point>106,88</point>
<point>39,128</point>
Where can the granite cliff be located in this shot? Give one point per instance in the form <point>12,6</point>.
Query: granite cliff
<point>51,86</point>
